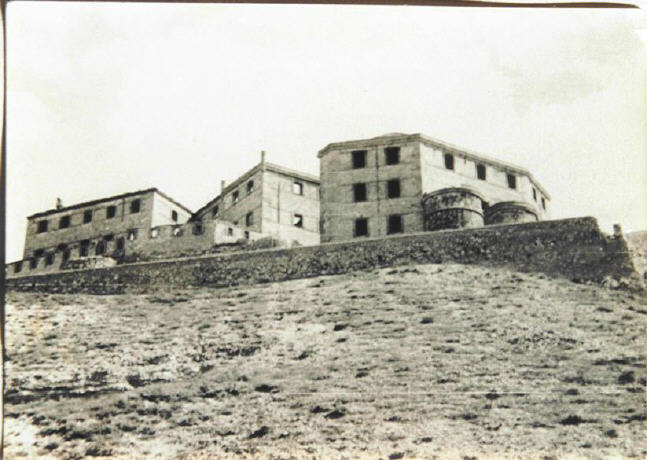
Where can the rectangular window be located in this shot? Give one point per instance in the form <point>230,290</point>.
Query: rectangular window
<point>41,227</point>
<point>234,197</point>
<point>392,155</point>
<point>135,206</point>
<point>49,259</point>
<point>100,249</point>
<point>250,187</point>
<point>132,234</point>
<point>246,235</point>
<point>297,188</point>
<point>66,255</point>
<point>249,219</point>
<point>359,159</point>
<point>214,211</point>
<point>39,253</point>
<point>111,212</point>
<point>87,217</point>
<point>297,220</point>
<point>359,192</point>
<point>393,188</point>
<point>18,267</point>
<point>64,222</point>
<point>534,193</point>
<point>120,244</point>
<point>512,181</point>
<point>480,172</point>
<point>394,224</point>
<point>361,227</point>
<point>449,161</point>
<point>230,231</point>
<point>174,216</point>
<point>33,263</point>
<point>84,249</point>
<point>543,202</point>
<point>198,229</point>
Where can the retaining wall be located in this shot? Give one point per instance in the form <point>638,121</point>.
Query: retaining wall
<point>571,248</point>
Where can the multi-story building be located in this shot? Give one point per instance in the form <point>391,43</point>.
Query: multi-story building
<point>400,183</point>
<point>270,200</point>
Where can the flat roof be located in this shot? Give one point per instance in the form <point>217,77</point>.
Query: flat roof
<point>430,141</point>
<point>110,198</point>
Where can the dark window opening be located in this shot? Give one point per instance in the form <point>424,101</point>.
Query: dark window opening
<point>394,224</point>
<point>392,155</point>
<point>246,235</point>
<point>18,267</point>
<point>234,197</point>
<point>480,172</point>
<point>512,181</point>
<point>100,248</point>
<point>49,259</point>
<point>87,217</point>
<point>174,216</point>
<point>214,211</point>
<point>61,247</point>
<point>135,206</point>
<point>250,187</point>
<point>359,192</point>
<point>297,188</point>
<point>393,188</point>
<point>449,161</point>
<point>297,220</point>
<point>534,193</point>
<point>236,223</point>
<point>111,212</point>
<point>132,234</point>
<point>33,263</point>
<point>198,229</point>
<point>64,222</point>
<point>108,238</point>
<point>39,253</point>
<point>66,255</point>
<point>84,249</point>
<point>121,243</point>
<point>249,219</point>
<point>361,226</point>
<point>41,226</point>
<point>359,159</point>
<point>543,203</point>
<point>230,231</point>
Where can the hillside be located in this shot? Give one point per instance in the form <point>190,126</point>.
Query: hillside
<point>444,360</point>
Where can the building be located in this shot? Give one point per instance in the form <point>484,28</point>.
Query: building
<point>109,226</point>
<point>270,200</point>
<point>403,183</point>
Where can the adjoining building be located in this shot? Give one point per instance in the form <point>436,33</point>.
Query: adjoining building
<point>271,200</point>
<point>404,183</point>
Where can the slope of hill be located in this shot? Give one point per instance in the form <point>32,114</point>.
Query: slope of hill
<point>430,360</point>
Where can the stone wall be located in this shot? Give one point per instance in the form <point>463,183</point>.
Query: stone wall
<point>570,248</point>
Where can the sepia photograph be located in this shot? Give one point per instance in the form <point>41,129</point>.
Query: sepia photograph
<point>317,231</point>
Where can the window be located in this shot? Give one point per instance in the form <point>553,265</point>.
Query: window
<point>108,237</point>
<point>512,181</point>
<point>359,192</point>
<point>297,220</point>
<point>236,223</point>
<point>534,193</point>
<point>120,244</point>
<point>234,197</point>
<point>480,172</point>
<point>177,231</point>
<point>230,231</point>
<point>214,211</point>
<point>394,224</point>
<point>393,188</point>
<point>64,222</point>
<point>198,229</point>
<point>33,263</point>
<point>297,188</point>
<point>392,155</point>
<point>134,206</point>
<point>132,234</point>
<point>111,212</point>
<point>84,249</point>
<point>449,161</point>
<point>249,219</point>
<point>87,217</point>
<point>246,235</point>
<point>41,226</point>
<point>18,267</point>
<point>359,159</point>
<point>49,259</point>
<point>66,255</point>
<point>250,187</point>
<point>39,253</point>
<point>543,202</point>
<point>361,226</point>
<point>174,216</point>
<point>155,232</point>
<point>100,248</point>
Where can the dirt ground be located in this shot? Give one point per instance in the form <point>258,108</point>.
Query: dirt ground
<point>427,361</point>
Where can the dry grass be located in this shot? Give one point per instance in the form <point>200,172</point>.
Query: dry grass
<point>432,360</point>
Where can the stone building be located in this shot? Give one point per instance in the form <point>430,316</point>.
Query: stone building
<point>404,183</point>
<point>110,226</point>
<point>272,201</point>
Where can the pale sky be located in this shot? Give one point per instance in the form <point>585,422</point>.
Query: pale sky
<point>110,98</point>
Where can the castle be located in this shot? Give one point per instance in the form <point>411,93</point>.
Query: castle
<point>391,184</point>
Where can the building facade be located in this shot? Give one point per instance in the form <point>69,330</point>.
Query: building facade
<point>272,201</point>
<point>404,183</point>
